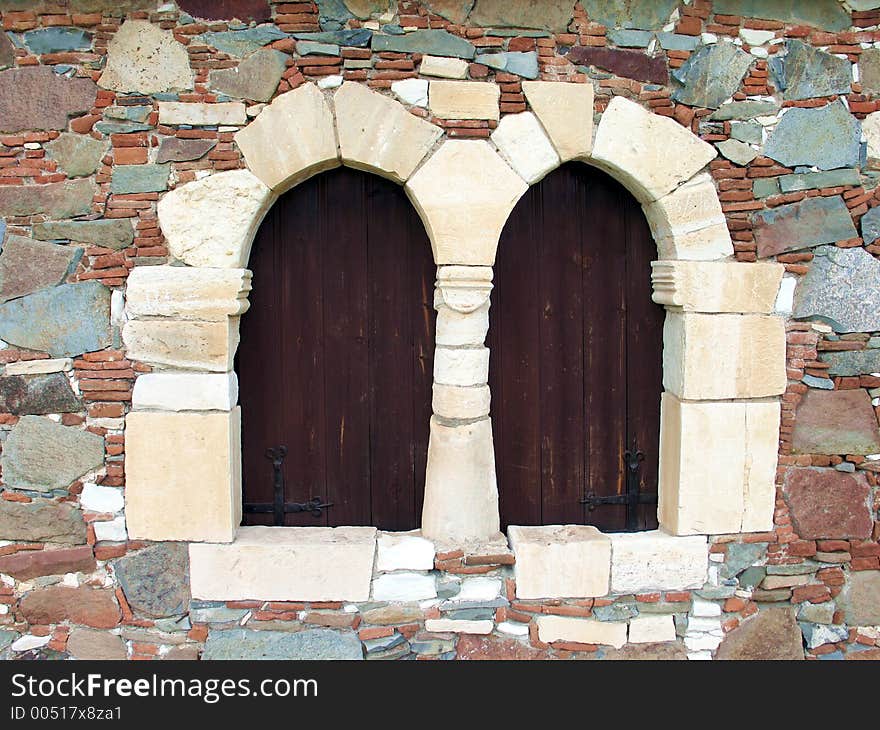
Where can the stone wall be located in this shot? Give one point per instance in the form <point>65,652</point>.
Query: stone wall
<point>109,106</point>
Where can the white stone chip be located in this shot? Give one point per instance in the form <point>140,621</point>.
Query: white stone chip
<point>478,589</point>
<point>785,299</point>
<point>28,642</point>
<point>756,37</point>
<point>459,626</point>
<point>442,67</point>
<point>411,91</point>
<point>404,587</point>
<point>703,608</point>
<point>112,531</point>
<point>330,82</point>
<point>523,143</point>
<point>107,500</point>
<point>513,628</point>
<point>404,551</point>
<point>200,114</point>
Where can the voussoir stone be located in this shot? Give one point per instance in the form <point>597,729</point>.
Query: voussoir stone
<point>173,149</point>
<point>464,194</point>
<point>35,97</point>
<point>42,521</point>
<point>155,580</point>
<point>29,564</point>
<point>651,155</point>
<point>523,143</point>
<point>188,216</point>
<point>37,394</point>
<point>65,320</point>
<point>142,57</point>
<point>378,134</point>
<point>27,266</point>
<point>772,633</point>
<point>836,422</point>
<point>77,154</point>
<point>41,454</point>
<point>54,200</point>
<point>86,606</point>
<point>292,139</point>
<point>827,137</point>
<point>826,504</point>
<point>310,644</point>
<point>711,75</point>
<point>566,114</point>
<point>807,223</point>
<point>256,78</point>
<point>96,645</point>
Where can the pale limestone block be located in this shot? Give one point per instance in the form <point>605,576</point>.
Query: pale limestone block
<point>717,287</point>
<point>378,134</point>
<point>186,345</point>
<point>761,455</point>
<point>183,476</point>
<point>286,564</point>
<point>651,155</point>
<point>523,143</point>
<point>142,57</point>
<point>656,561</point>
<point>197,114</point>
<point>717,356</point>
<point>459,626</point>
<point>463,289</point>
<point>442,67</point>
<point>456,328</point>
<point>292,139</point>
<point>185,392</point>
<point>39,367</point>
<point>464,194</point>
<point>404,551</point>
<point>560,561</point>
<point>461,495</point>
<point>186,292</point>
<point>652,629</point>
<point>689,224</point>
<point>461,366</point>
<point>566,113</point>
<point>465,402</point>
<point>404,587</point>
<point>464,99</point>
<point>581,630</point>
<point>212,222</point>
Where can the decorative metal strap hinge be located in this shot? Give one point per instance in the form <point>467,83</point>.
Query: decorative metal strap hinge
<point>279,508</point>
<point>633,497</point>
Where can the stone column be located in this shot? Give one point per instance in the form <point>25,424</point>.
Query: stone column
<point>461,494</point>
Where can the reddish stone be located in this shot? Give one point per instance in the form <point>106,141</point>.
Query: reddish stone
<point>227,9</point>
<point>31,564</point>
<point>38,98</point>
<point>836,422</point>
<point>867,655</point>
<point>771,634</point>
<point>828,504</point>
<point>478,648</point>
<point>627,64</point>
<point>87,606</point>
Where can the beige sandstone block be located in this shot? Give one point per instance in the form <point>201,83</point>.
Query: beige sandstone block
<point>38,367</point>
<point>657,561</point>
<point>183,476</point>
<point>286,564</point>
<point>581,630</point>
<point>185,392</point>
<point>212,222</point>
<point>461,495</point>
<point>186,345</point>
<point>292,139</point>
<point>465,402</point>
<point>378,134</point>
<point>650,154</point>
<point>464,194</point>
<point>456,328</point>
<point>717,287</point>
<point>762,450</point>
<point>464,99</point>
<point>651,629</point>
<point>566,113</point>
<point>201,115</point>
<point>560,561</point>
<point>689,224</point>
<point>186,292</point>
<point>442,67</point>
<point>718,356</point>
<point>523,143</point>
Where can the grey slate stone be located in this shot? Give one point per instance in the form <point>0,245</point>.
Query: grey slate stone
<point>841,289</point>
<point>121,127</point>
<point>711,75</point>
<point>815,180</point>
<point>817,613</point>
<point>871,225</point>
<point>752,577</point>
<point>57,40</point>
<point>55,200</point>
<point>765,186</point>
<point>313,48</point>
<point>828,137</point>
<point>310,644</point>
<point>629,38</point>
<point>37,394</point>
<point>332,14</point>
<point>645,14</point>
<point>742,555</point>
<point>744,110</point>
<point>805,72</point>
<point>7,637</point>
<point>434,42</point>
<point>819,634</point>
<point>432,644</point>
<point>812,381</point>
<point>41,454</point>
<point>112,233</point>
<point>218,614</point>
<point>139,178</point>
<point>860,598</point>
<point>240,43</point>
<point>358,38</point>
<point>737,152</point>
<point>128,113</point>
<point>809,222</point>
<point>822,14</point>
<point>64,321</point>
<point>846,467</point>
<point>749,132</point>
<point>869,70</point>
<point>523,64</point>
<point>256,78</point>
<point>155,580</point>
<point>77,154</point>
<point>174,149</point>
<point>677,42</point>
<point>27,266</point>
<point>615,612</point>
<point>804,568</point>
<point>42,521</point>
<point>384,642</point>
<point>852,362</point>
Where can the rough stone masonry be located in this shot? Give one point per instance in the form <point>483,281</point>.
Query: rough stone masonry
<point>118,114</point>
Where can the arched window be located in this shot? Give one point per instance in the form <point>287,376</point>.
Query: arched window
<point>336,355</point>
<point>576,355</point>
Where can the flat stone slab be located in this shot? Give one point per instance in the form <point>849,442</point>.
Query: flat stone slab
<point>836,422</point>
<point>823,14</point>
<point>841,290</point>
<point>711,75</point>
<point>155,580</point>
<point>116,234</point>
<point>77,154</point>
<point>852,362</point>
<point>54,200</point>
<point>827,138</point>
<point>28,564</point>
<point>139,179</point>
<point>828,504</point>
<point>255,78</point>
<point>240,43</point>
<point>644,14</point>
<point>772,633</point>
<point>94,607</point>
<point>628,64</point>
<point>42,521</point>
<point>311,644</point>
<point>869,70</point>
<point>173,149</point>
<point>41,454</point>
<point>805,72</point>
<point>807,223</point>
<point>35,97</point>
<point>27,265</point>
<point>245,10</point>
<point>64,321</point>
<point>433,42</point>
<point>37,394</point>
